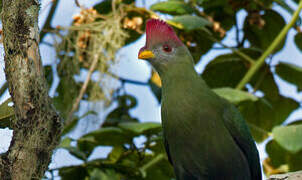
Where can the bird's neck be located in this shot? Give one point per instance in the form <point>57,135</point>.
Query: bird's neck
<point>179,75</point>
<point>180,71</point>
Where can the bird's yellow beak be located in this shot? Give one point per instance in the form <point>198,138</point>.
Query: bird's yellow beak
<point>146,54</point>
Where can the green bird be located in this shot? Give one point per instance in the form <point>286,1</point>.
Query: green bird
<point>205,136</point>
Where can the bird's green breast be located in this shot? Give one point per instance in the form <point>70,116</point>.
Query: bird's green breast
<point>194,129</point>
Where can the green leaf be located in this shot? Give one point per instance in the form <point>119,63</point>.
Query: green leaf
<point>197,41</point>
<point>235,96</point>
<point>106,136</point>
<point>121,113</point>
<point>279,156</point>
<point>199,2</point>
<point>69,127</point>
<point>156,144</point>
<point>189,22</point>
<point>274,108</point>
<point>290,73</point>
<point>105,6</point>
<point>6,114</point>
<point>172,7</point>
<point>276,153</point>
<point>269,111</point>
<point>115,154</point>
<point>285,6</point>
<point>257,115</point>
<point>289,137</point>
<point>107,174</point>
<point>262,36</point>
<point>73,172</point>
<point>215,73</point>
<point>65,144</point>
<point>66,95</point>
<point>298,40</point>
<point>263,115</point>
<point>76,152</point>
<point>221,11</point>
<point>264,81</point>
<point>3,88</point>
<point>141,128</point>
<point>127,101</point>
<point>48,75</point>
<point>296,122</point>
<point>118,115</point>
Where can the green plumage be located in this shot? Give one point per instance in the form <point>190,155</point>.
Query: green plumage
<point>206,138</point>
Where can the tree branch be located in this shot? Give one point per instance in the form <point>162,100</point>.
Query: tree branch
<point>248,76</point>
<point>37,126</point>
<point>47,24</point>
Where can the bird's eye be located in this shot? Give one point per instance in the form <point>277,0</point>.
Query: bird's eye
<point>167,48</point>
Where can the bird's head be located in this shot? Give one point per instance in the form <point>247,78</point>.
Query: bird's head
<point>163,48</point>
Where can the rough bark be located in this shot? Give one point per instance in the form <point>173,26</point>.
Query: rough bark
<point>37,126</point>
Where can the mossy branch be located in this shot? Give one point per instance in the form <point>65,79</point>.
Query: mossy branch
<point>248,76</point>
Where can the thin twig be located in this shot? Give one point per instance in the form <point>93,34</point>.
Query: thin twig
<point>237,32</point>
<point>48,44</point>
<point>83,88</point>
<point>262,76</point>
<point>248,76</point>
<point>133,81</point>
<point>77,3</point>
<point>241,44</point>
<point>47,24</point>
<point>155,160</point>
<point>239,53</point>
<point>259,81</point>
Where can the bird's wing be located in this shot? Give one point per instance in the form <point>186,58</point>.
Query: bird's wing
<point>167,150</point>
<point>238,129</point>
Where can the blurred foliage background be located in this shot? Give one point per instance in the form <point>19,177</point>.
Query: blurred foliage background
<point>90,44</point>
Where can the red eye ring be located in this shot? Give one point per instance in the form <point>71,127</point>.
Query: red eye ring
<point>167,48</point>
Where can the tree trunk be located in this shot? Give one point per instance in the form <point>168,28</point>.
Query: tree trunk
<point>37,126</point>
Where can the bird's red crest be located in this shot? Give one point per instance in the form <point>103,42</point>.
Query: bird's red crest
<point>158,31</point>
